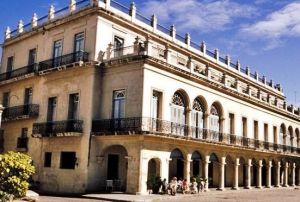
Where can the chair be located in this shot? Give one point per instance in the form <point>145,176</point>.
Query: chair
<point>109,185</point>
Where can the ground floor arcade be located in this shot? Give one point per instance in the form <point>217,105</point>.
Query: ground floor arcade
<point>129,161</point>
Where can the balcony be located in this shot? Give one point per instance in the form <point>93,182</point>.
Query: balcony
<point>138,125</point>
<point>20,72</point>
<point>20,112</point>
<point>65,61</point>
<point>58,128</point>
<point>22,144</point>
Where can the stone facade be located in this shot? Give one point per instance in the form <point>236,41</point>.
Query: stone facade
<point>107,98</point>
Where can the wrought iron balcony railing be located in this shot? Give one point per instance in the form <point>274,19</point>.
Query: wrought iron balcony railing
<point>58,128</point>
<point>18,72</point>
<point>63,60</point>
<point>138,125</point>
<point>22,143</point>
<point>20,112</point>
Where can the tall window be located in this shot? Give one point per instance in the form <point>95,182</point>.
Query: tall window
<point>32,56</point>
<point>118,46</point>
<point>288,137</point>
<point>47,159</point>
<point>255,130</point>
<point>214,119</point>
<point>51,109</point>
<point>73,106</point>
<point>10,64</point>
<point>57,52</point>
<point>275,135</point>
<point>197,118</point>
<point>28,96</point>
<point>244,127</point>
<point>79,42</point>
<point>119,104</point>
<point>281,135</point>
<point>24,133</point>
<point>5,99</point>
<point>231,124</point>
<point>266,132</point>
<point>156,101</point>
<point>178,109</point>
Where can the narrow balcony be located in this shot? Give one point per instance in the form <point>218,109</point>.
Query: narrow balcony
<point>58,128</point>
<point>139,125</point>
<point>22,144</point>
<point>18,73</point>
<point>20,112</point>
<point>65,61</point>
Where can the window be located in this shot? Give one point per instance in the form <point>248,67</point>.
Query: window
<point>118,46</point>
<point>266,132</point>
<point>119,104</point>
<point>32,56</point>
<point>47,159</point>
<point>255,128</point>
<point>281,135</point>
<point>57,53</point>
<point>5,99</point>
<point>79,42</point>
<point>275,135</point>
<point>10,64</point>
<point>197,118</point>
<point>73,106</point>
<point>214,119</point>
<point>231,124</point>
<point>178,109</point>
<point>51,109</point>
<point>244,127</point>
<point>67,160</point>
<point>28,96</point>
<point>24,133</point>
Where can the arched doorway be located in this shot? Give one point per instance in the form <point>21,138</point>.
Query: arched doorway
<point>242,172</point>
<point>229,172</point>
<point>116,166</point>
<point>196,164</point>
<point>254,173</point>
<point>273,173</point>
<point>213,171</point>
<point>197,119</point>
<point>176,165</point>
<point>178,114</point>
<point>153,167</point>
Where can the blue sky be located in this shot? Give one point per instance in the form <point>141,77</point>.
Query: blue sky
<point>263,34</point>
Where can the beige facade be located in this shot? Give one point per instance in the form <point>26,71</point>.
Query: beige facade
<point>96,93</point>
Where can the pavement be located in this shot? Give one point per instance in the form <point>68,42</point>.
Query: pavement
<point>262,195</point>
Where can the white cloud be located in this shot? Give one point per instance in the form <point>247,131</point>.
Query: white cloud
<point>203,16</point>
<point>282,23</point>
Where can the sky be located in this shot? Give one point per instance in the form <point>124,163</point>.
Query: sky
<point>262,34</point>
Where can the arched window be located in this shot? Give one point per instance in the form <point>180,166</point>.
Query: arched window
<point>197,118</point>
<point>214,119</point>
<point>288,139</point>
<point>178,118</point>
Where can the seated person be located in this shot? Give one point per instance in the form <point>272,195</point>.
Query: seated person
<point>185,187</point>
<point>194,188</point>
<point>173,186</point>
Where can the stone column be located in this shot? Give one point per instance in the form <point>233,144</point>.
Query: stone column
<point>187,168</point>
<point>286,175</point>
<point>164,170</point>
<point>142,189</point>
<point>278,174</point>
<point>269,173</point>
<point>206,162</point>
<point>293,174</point>
<point>248,175</point>
<point>222,174</point>
<point>236,174</point>
<point>259,174</point>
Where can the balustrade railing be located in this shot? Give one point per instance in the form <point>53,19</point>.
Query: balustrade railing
<point>18,72</point>
<point>58,128</point>
<point>20,112</point>
<point>144,125</point>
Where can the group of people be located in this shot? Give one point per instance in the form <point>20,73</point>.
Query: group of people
<point>181,186</point>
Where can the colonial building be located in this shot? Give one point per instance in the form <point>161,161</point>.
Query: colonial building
<point>103,97</point>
